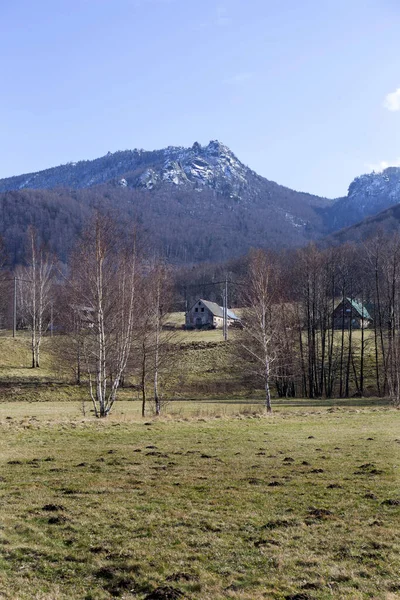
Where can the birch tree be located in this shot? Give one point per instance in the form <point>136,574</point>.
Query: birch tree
<point>35,283</point>
<point>391,291</point>
<point>154,345</point>
<point>259,335</point>
<point>104,281</point>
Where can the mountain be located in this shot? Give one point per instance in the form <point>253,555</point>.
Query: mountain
<point>194,204</point>
<point>386,222</point>
<point>368,195</point>
<point>197,168</point>
<point>198,203</point>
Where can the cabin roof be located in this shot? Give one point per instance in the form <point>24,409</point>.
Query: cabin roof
<point>218,311</point>
<point>359,308</point>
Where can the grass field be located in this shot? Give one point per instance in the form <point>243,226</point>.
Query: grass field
<point>214,501</point>
<point>202,366</point>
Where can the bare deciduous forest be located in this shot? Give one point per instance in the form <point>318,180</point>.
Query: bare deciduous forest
<point>302,332</point>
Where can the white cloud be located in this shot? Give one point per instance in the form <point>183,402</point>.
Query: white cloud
<point>381,166</point>
<point>239,78</point>
<point>392,101</point>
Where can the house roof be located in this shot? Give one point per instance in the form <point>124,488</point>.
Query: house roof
<point>218,311</point>
<point>359,308</point>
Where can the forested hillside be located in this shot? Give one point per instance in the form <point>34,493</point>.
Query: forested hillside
<point>195,204</point>
<point>183,226</point>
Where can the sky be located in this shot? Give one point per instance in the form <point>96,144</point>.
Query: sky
<point>306,93</point>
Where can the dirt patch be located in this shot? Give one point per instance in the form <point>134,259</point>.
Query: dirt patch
<point>182,577</point>
<point>156,453</point>
<point>368,469</point>
<point>279,523</point>
<point>52,507</point>
<point>268,542</point>
<point>165,593</point>
<point>318,514</point>
<point>115,583</point>
<point>311,585</point>
<point>57,520</point>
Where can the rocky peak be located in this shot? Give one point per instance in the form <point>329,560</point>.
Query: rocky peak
<point>368,194</point>
<point>373,185</point>
<point>198,167</point>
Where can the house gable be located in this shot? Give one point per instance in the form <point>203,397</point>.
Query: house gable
<point>207,314</point>
<point>351,312</point>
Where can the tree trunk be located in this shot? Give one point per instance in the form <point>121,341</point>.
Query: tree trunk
<point>347,385</point>
<point>268,406</point>
<point>342,346</point>
<point>157,353</point>
<point>143,378</point>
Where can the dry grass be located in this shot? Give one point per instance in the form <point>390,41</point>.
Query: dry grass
<point>214,501</point>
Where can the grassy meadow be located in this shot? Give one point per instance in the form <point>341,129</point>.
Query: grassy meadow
<point>213,500</point>
<point>215,504</point>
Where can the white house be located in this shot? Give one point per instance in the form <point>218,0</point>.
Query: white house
<point>208,315</point>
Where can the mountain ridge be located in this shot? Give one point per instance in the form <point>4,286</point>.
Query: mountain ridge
<point>183,196</point>
<point>113,165</point>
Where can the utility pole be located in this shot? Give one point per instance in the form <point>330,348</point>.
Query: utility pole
<point>186,307</point>
<point>225,310</point>
<point>51,320</point>
<point>15,308</point>
<point>223,314</point>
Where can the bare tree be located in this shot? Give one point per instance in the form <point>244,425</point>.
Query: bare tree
<point>35,283</point>
<point>104,282</point>
<point>68,348</point>
<point>259,334</point>
<point>391,289</point>
<point>154,345</point>
<point>5,288</point>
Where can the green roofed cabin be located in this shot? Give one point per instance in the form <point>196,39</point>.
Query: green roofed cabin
<point>208,315</point>
<point>351,312</point>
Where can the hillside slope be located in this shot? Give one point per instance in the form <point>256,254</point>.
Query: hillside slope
<point>386,222</point>
<point>198,203</point>
<point>194,204</point>
<point>368,195</point>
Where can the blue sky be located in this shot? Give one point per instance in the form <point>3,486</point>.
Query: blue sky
<point>307,93</point>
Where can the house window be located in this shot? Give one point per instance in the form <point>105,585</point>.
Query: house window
<point>196,310</point>
<point>202,310</point>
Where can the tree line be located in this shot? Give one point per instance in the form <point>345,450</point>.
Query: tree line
<point>292,336</point>
<point>112,300</point>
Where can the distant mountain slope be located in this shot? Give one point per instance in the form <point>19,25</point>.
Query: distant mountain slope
<point>199,203</point>
<point>196,204</point>
<point>57,215</point>
<point>368,195</point>
<point>184,226</point>
<point>386,222</point>
<point>197,168</point>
